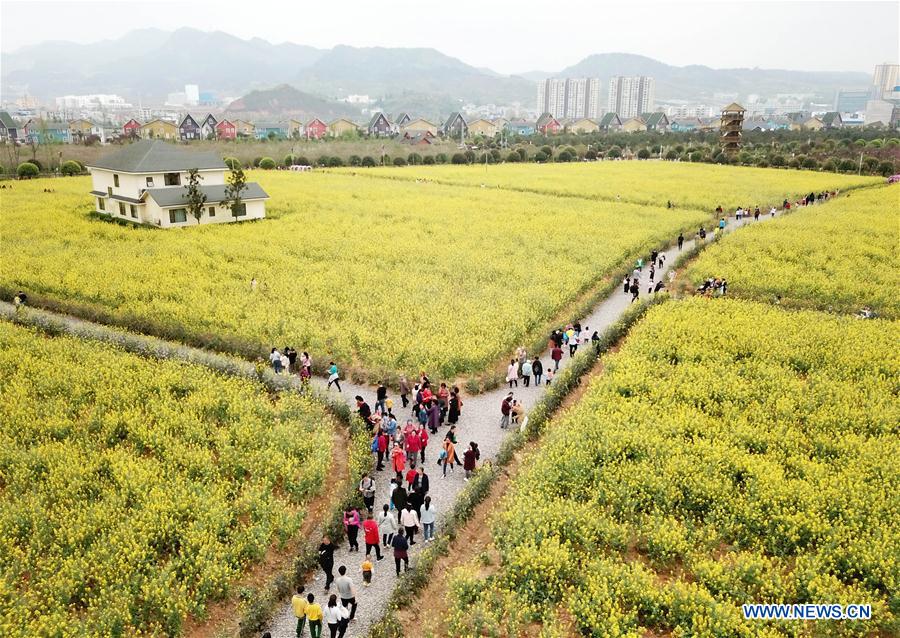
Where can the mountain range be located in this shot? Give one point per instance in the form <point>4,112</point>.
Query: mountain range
<point>145,65</point>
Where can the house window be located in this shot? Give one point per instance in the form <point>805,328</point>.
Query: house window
<point>177,215</point>
<point>101,203</point>
<point>109,190</point>
<point>122,209</point>
<point>134,211</point>
<point>116,181</point>
<point>239,210</point>
<point>173,179</point>
<point>149,182</point>
<point>212,211</point>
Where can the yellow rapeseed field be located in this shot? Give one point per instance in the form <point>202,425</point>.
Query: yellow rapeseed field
<point>391,276</point>
<point>731,453</point>
<point>654,183</point>
<point>841,257</point>
<point>135,490</point>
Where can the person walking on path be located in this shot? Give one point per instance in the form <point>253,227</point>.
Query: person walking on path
<point>434,416</point>
<point>556,354</point>
<point>450,457</point>
<point>351,526</point>
<point>336,617</point>
<point>398,461</point>
<point>429,516</point>
<point>410,522</point>
<point>367,490</point>
<point>333,377</point>
<point>370,535</point>
<point>299,605</point>
<point>413,444</point>
<point>423,438</point>
<point>404,391</point>
<point>470,459</point>
<point>387,525</point>
<point>421,483</point>
<point>275,358</point>
<point>517,413</point>
<point>512,373</point>
<point>314,616</point>
<point>625,284</point>
<point>326,560</point>
<point>526,373</point>
<point>346,591</point>
<point>381,450</point>
<point>398,497</point>
<point>634,290</point>
<point>401,552</point>
<point>505,409</point>
<point>454,407</point>
<point>537,369</point>
<point>381,397</point>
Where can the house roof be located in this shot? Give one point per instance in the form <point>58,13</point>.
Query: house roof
<point>545,119</point>
<point>48,126</point>
<point>734,106</point>
<point>345,120</point>
<point>655,119</point>
<point>160,121</point>
<point>377,117</point>
<point>831,117</point>
<point>170,196</point>
<point>7,121</point>
<point>608,119</point>
<point>156,156</point>
<point>130,200</point>
<point>418,120</point>
<point>417,138</point>
<point>187,117</point>
<point>453,117</point>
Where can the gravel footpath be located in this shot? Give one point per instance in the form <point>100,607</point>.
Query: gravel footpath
<point>479,422</point>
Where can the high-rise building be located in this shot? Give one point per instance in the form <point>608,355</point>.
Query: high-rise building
<point>887,76</point>
<point>851,101</point>
<point>569,97</point>
<point>630,96</point>
<point>192,94</point>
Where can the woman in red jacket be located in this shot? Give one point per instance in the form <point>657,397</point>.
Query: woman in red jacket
<point>413,445</point>
<point>398,462</point>
<point>370,528</point>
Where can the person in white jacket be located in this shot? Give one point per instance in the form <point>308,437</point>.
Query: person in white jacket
<point>387,525</point>
<point>429,515</point>
<point>410,522</point>
<point>336,616</point>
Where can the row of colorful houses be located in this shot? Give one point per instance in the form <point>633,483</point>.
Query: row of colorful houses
<point>405,127</point>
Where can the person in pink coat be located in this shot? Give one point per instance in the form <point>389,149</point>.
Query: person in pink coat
<point>413,445</point>
<point>398,462</point>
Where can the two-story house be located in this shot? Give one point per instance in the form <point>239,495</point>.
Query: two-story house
<point>146,183</point>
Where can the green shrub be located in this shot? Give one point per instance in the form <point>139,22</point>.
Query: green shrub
<point>334,161</point>
<point>232,163</point>
<point>27,170</point>
<point>643,154</point>
<point>540,156</point>
<point>354,160</point>
<point>414,159</point>
<point>513,157</point>
<point>267,163</point>
<point>368,161</point>
<point>428,160</point>
<point>441,158</point>
<point>70,167</point>
<point>886,168</point>
<point>458,158</point>
<point>399,161</point>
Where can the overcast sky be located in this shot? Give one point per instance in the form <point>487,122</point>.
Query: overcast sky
<point>509,36</point>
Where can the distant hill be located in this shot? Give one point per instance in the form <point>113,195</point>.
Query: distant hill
<point>287,100</point>
<point>381,72</point>
<point>146,64</point>
<point>698,82</point>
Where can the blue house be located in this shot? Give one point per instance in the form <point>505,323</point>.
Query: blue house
<point>520,127</point>
<point>264,129</point>
<point>685,124</point>
<point>45,132</point>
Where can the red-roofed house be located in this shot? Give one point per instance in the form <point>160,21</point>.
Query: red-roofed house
<point>132,128</point>
<point>316,129</point>
<point>225,130</point>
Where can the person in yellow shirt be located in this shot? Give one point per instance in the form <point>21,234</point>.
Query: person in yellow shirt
<point>314,616</point>
<point>367,571</point>
<point>298,603</point>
